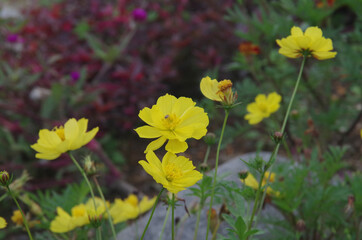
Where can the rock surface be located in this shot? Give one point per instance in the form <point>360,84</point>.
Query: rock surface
<point>185,229</point>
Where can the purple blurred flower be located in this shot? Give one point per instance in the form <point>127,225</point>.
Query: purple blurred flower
<point>75,76</point>
<point>139,14</point>
<point>13,38</point>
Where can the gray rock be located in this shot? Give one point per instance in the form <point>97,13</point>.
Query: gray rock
<point>186,227</point>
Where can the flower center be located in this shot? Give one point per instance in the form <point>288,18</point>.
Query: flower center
<point>170,121</point>
<point>224,86</point>
<point>60,132</point>
<point>172,172</point>
<point>78,211</point>
<point>132,199</point>
<point>263,107</point>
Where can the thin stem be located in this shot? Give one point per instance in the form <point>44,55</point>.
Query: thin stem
<point>105,205</point>
<point>153,210</point>
<point>207,154</point>
<point>85,178</point>
<point>215,172</point>
<point>22,213</point>
<point>173,216</point>
<point>164,223</point>
<point>256,202</point>
<point>276,149</point>
<point>98,234</point>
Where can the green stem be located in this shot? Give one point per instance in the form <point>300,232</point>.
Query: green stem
<point>164,223</point>
<point>173,216</point>
<point>207,154</point>
<point>105,205</point>
<point>256,202</point>
<point>85,178</point>
<point>215,172</point>
<point>98,233</point>
<point>153,210</point>
<point>22,213</point>
<point>275,152</point>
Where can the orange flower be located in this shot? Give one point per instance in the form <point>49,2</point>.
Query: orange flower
<point>248,48</point>
<point>324,3</point>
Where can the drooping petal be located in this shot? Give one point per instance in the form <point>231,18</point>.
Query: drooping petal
<point>209,88</point>
<point>324,55</point>
<point>156,144</point>
<point>176,146</point>
<point>148,132</point>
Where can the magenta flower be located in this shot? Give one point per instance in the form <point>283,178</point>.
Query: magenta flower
<point>75,76</point>
<point>13,38</point>
<point>139,14</point>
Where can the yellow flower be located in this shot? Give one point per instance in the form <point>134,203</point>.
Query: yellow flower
<point>173,119</point>
<point>79,217</point>
<point>262,107</point>
<point>175,173</point>
<point>250,181</point>
<point>17,218</point>
<point>130,208</point>
<point>311,42</point>
<point>3,223</point>
<point>51,144</point>
<point>218,91</point>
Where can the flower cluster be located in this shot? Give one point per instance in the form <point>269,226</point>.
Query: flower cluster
<point>85,214</point>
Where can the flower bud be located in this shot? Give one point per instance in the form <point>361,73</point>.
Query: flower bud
<point>203,167</point>
<point>89,166</point>
<point>277,137</point>
<point>210,138</point>
<point>94,219</point>
<point>243,175</point>
<point>300,225</point>
<point>5,178</point>
<point>139,14</point>
<point>214,220</point>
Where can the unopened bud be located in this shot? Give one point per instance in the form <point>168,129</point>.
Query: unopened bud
<point>300,225</point>
<point>243,175</point>
<point>277,137</point>
<point>214,220</point>
<point>89,166</point>
<point>210,138</point>
<point>5,178</point>
<point>204,167</point>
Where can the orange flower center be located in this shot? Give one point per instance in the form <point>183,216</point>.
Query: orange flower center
<point>60,132</point>
<point>224,86</point>
<point>172,172</point>
<point>170,121</point>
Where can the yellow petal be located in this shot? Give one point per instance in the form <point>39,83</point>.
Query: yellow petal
<point>146,115</point>
<point>3,223</point>
<point>181,105</point>
<point>148,132</point>
<point>176,146</point>
<point>71,130</point>
<point>87,137</point>
<point>324,55</point>
<point>253,118</point>
<point>313,32</point>
<point>296,31</point>
<point>303,42</point>
<point>165,103</point>
<point>209,88</point>
<point>47,156</point>
<point>156,144</point>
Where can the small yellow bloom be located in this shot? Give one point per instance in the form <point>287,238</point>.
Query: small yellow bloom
<point>130,208</point>
<point>173,119</point>
<point>310,43</point>
<point>51,144</point>
<point>17,218</point>
<point>80,214</point>
<point>262,107</point>
<point>250,181</point>
<point>3,223</point>
<point>175,173</point>
<point>218,91</point>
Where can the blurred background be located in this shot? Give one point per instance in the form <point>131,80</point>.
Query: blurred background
<point>106,60</point>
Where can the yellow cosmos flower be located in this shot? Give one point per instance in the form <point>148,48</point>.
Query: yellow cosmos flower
<point>130,208</point>
<point>3,223</point>
<point>17,218</point>
<point>173,119</point>
<point>250,181</point>
<point>262,107</point>
<point>64,222</point>
<point>175,173</point>
<point>311,42</point>
<point>52,143</point>
<point>218,91</point>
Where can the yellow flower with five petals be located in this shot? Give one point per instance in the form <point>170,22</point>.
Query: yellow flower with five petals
<point>173,119</point>
<point>262,107</point>
<point>175,173</point>
<point>309,43</point>
<point>52,143</point>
